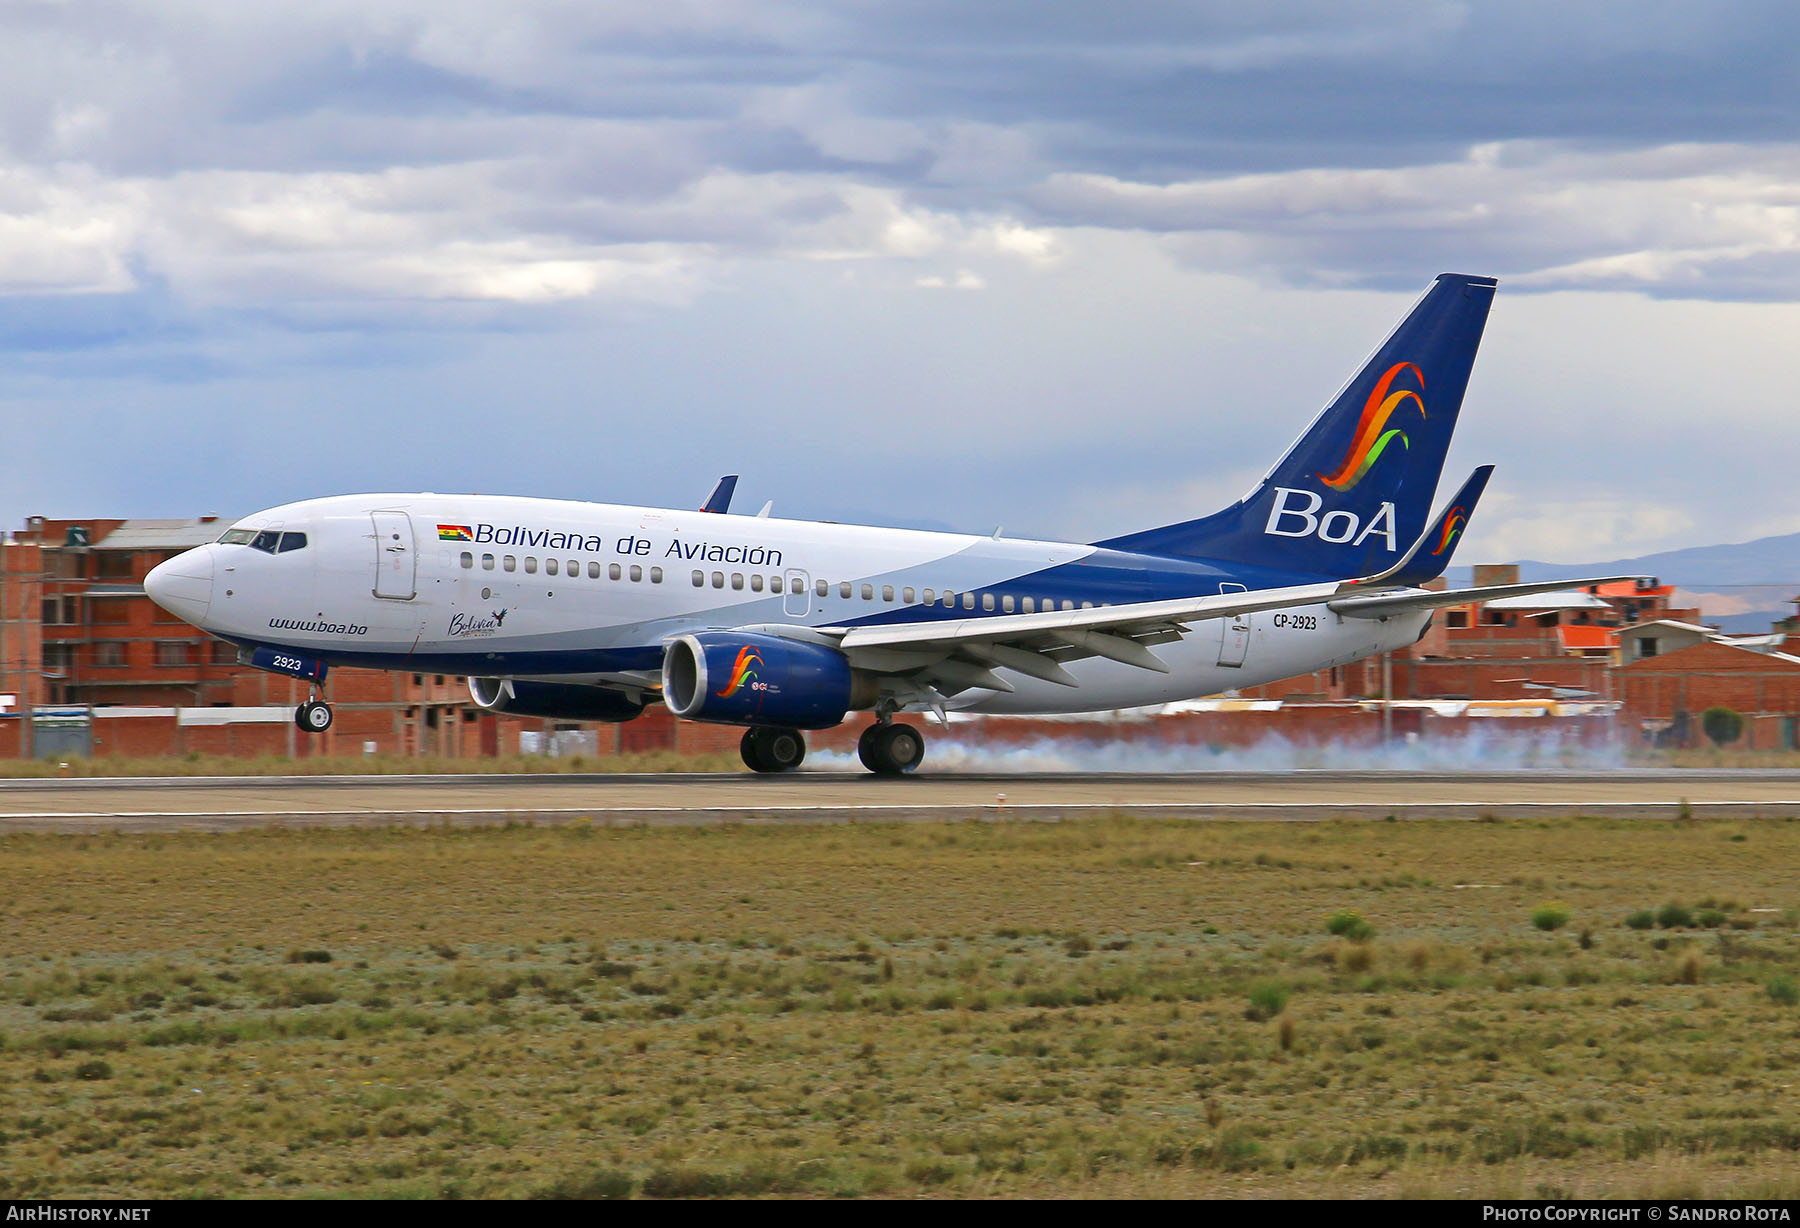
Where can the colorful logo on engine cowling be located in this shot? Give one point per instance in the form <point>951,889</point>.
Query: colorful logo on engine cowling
<point>741,671</point>
<point>1453,527</point>
<point>1373,435</point>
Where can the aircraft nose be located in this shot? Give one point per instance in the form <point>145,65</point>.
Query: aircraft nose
<point>184,585</point>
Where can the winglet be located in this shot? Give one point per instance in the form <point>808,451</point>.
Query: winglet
<point>1431,553</point>
<point>720,499</point>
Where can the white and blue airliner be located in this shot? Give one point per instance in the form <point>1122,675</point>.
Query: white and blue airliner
<point>592,611</point>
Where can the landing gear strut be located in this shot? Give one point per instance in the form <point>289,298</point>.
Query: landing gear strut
<point>771,749</point>
<point>313,716</point>
<point>888,748</point>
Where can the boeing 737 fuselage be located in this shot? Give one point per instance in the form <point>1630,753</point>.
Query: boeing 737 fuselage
<point>590,611</point>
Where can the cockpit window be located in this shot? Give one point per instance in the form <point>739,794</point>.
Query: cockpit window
<point>266,540</point>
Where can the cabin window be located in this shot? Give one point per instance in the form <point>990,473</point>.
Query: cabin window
<point>987,601</point>
<point>756,583</point>
<point>1006,603</point>
<point>844,589</point>
<point>594,571</point>
<point>968,601</point>
<point>699,579</point>
<point>887,592</point>
<point>574,567</point>
<point>487,562</point>
<point>1027,605</point>
<point>509,563</point>
<point>775,585</point>
<point>949,599</point>
<point>613,572</point>
<point>737,581</point>
<point>468,560</point>
<point>656,575</point>
<point>930,596</point>
<point>1087,605</point>
<point>868,592</point>
<point>530,565</point>
<point>718,579</point>
<point>637,573</point>
<point>822,588</point>
<point>1067,604</point>
<point>549,567</point>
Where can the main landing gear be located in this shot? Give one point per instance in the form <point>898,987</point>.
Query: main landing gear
<point>771,749</point>
<point>888,748</point>
<point>313,716</point>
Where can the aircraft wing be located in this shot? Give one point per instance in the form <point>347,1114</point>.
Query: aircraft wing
<point>1382,605</point>
<point>955,653</point>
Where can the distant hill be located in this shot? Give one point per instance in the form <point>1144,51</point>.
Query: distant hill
<point>1742,587</point>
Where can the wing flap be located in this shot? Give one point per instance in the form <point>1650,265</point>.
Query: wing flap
<point>1387,604</point>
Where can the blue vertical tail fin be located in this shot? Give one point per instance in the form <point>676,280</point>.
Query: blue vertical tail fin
<point>1354,492</point>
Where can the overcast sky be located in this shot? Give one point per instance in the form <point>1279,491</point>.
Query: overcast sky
<point>1071,268</point>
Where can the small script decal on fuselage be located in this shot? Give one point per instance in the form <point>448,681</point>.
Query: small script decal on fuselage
<point>464,626</point>
<point>324,628</point>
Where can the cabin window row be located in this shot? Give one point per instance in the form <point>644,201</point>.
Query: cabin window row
<point>573,569</point>
<point>1005,603</point>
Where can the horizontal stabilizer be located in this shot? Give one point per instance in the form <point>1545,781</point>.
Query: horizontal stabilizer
<point>1419,565</point>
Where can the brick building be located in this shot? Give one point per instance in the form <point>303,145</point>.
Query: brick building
<point>1663,696</point>
<point>82,648</point>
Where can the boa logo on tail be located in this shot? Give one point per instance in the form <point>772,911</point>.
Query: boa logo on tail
<point>1453,527</point>
<point>740,671</point>
<point>1373,435</point>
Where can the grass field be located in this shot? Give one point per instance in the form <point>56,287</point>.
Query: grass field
<point>1594,1008</point>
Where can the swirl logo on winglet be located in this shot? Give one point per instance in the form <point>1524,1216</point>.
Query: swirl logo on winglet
<point>1453,527</point>
<point>740,671</point>
<point>1373,435</point>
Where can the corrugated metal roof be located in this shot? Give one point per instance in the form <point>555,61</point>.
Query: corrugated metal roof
<point>162,534</point>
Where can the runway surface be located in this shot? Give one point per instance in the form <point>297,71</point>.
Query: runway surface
<point>230,803</point>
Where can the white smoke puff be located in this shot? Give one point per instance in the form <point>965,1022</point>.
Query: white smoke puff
<point>1475,751</point>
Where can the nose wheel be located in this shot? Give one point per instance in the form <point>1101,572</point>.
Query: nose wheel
<point>313,716</point>
<point>772,749</point>
<point>889,748</point>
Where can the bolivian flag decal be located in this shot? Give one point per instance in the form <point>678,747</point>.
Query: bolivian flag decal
<point>455,533</point>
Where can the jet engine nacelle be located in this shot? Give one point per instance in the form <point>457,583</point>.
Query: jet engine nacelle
<point>746,679</point>
<point>559,700</point>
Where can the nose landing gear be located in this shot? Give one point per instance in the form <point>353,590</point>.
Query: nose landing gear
<point>313,716</point>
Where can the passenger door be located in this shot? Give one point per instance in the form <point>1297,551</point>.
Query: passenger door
<point>396,558</point>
